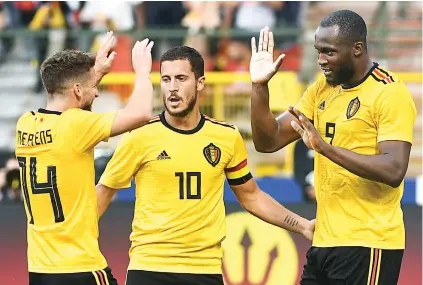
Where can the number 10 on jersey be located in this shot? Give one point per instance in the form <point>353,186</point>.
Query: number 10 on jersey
<point>186,183</point>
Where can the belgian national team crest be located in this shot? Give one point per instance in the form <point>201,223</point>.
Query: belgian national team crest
<point>353,107</point>
<point>212,153</point>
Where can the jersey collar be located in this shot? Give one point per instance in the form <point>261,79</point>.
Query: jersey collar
<point>44,111</point>
<point>345,86</point>
<point>184,132</point>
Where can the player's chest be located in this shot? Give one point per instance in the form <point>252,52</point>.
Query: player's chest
<point>344,118</point>
<point>187,154</point>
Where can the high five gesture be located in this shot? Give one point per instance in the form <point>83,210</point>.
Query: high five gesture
<point>262,67</point>
<point>104,57</point>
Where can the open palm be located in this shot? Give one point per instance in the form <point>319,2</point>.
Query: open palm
<point>309,139</point>
<point>262,67</point>
<point>306,130</point>
<point>104,59</point>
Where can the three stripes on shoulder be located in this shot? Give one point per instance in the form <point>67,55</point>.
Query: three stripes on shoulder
<point>381,75</point>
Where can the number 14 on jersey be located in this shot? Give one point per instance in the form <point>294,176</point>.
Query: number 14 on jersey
<point>49,187</point>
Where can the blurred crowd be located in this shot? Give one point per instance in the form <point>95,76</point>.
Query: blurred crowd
<point>220,31</point>
<point>75,24</point>
<point>10,186</point>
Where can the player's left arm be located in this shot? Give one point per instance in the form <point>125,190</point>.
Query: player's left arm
<point>119,172</point>
<point>388,167</point>
<point>264,207</point>
<point>394,115</point>
<point>257,202</point>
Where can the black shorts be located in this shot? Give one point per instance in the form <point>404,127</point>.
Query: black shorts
<point>351,265</point>
<point>141,277</point>
<point>99,277</point>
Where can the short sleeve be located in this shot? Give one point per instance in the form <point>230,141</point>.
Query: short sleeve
<point>237,170</point>
<point>306,103</point>
<point>89,128</point>
<point>122,166</point>
<point>395,114</point>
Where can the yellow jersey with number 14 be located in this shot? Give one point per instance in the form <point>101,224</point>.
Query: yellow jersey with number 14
<point>354,211</point>
<point>55,152</point>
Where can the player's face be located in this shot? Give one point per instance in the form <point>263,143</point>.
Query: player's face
<point>89,91</point>
<point>334,56</point>
<point>179,87</point>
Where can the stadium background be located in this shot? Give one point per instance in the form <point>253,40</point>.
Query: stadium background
<point>30,31</point>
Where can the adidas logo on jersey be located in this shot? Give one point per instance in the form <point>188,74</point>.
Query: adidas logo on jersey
<point>322,105</point>
<point>163,155</point>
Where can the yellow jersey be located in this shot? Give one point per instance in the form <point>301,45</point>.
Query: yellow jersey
<point>179,218</point>
<point>354,211</point>
<point>55,152</point>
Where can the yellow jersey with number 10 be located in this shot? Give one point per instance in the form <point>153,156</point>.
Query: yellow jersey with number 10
<point>179,219</point>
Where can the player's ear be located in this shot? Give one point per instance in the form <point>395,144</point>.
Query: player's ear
<point>77,90</point>
<point>200,83</point>
<point>358,49</point>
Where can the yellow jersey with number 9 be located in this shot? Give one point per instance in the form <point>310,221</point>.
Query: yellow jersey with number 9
<point>354,211</point>
<point>55,152</point>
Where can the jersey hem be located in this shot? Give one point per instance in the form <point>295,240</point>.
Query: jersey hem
<point>388,138</point>
<point>179,269</point>
<point>306,113</point>
<point>369,245</point>
<point>66,269</point>
<point>110,185</point>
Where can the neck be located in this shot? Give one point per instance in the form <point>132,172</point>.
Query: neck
<point>185,123</point>
<point>59,103</point>
<point>361,70</point>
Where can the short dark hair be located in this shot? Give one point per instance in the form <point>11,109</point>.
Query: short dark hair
<point>64,67</point>
<point>185,53</point>
<point>351,25</point>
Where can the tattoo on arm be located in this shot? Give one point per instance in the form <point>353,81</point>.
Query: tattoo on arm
<point>291,221</point>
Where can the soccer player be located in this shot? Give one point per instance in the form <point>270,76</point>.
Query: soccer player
<point>55,151</point>
<point>179,161</point>
<point>359,120</point>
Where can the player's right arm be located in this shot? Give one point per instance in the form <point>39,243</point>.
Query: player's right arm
<point>90,128</point>
<point>139,107</point>
<point>270,134</point>
<point>119,172</point>
<point>138,110</point>
<point>104,197</point>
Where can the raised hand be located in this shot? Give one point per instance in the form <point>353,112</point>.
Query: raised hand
<point>104,60</point>
<point>307,131</point>
<point>262,67</point>
<point>141,57</point>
